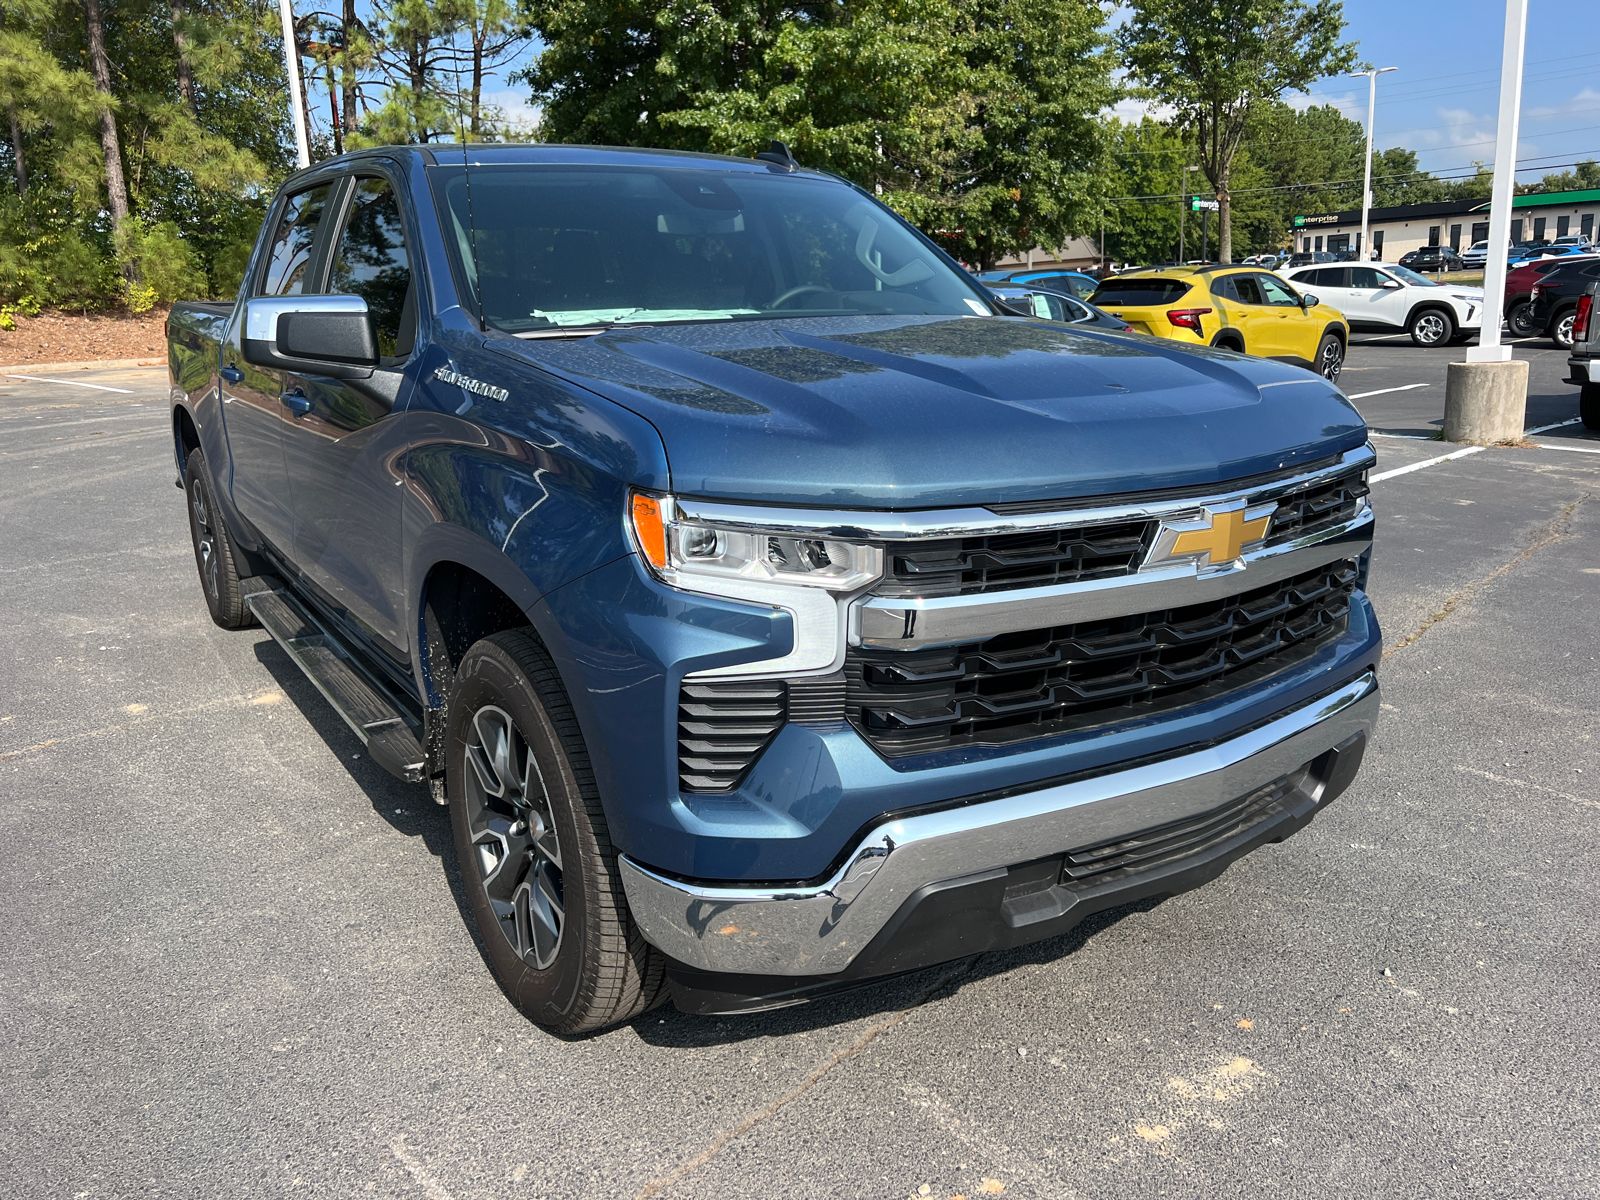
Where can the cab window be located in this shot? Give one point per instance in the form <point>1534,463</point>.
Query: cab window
<point>294,240</point>
<point>1276,292</point>
<point>371,262</point>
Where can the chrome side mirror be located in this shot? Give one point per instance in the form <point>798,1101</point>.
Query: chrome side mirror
<point>313,335</point>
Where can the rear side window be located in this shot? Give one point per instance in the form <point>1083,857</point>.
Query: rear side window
<point>289,257</point>
<point>1245,289</point>
<point>1140,291</point>
<point>372,263</point>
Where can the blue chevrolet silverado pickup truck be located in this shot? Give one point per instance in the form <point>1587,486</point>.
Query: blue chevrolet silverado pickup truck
<point>773,610</point>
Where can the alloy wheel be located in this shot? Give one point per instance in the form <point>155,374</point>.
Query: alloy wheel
<point>205,543</point>
<point>1563,333</point>
<point>516,854</point>
<point>1332,361</point>
<point>1430,329</point>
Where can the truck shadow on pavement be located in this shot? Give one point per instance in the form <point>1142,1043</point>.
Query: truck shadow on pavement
<point>408,808</point>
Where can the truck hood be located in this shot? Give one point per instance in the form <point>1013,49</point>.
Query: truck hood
<point>919,412</point>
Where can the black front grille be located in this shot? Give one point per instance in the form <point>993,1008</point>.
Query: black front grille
<point>970,565</point>
<point>1096,866</point>
<point>723,728</point>
<point>1047,681</point>
<point>1319,507</point>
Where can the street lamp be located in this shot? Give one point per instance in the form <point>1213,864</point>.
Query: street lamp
<point>1366,184</point>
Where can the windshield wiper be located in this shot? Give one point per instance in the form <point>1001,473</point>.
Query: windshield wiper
<point>573,331</point>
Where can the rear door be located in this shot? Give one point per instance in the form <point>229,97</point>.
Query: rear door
<point>1243,309</point>
<point>345,449</point>
<point>253,410</point>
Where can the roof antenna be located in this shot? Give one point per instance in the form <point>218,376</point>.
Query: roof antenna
<point>466,174</point>
<point>777,152</point>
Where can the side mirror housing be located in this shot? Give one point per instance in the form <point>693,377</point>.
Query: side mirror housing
<point>1391,284</point>
<point>1309,301</point>
<point>312,335</point>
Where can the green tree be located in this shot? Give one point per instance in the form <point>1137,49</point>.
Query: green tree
<point>1214,63</point>
<point>976,119</point>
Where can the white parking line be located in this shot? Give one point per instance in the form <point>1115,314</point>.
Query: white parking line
<point>1462,453</point>
<point>1574,449</point>
<point>1402,437</point>
<point>1430,462</point>
<point>1548,428</point>
<point>99,387</point>
<point>1385,391</point>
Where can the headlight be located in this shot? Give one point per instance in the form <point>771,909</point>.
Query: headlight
<point>808,577</point>
<point>704,557</point>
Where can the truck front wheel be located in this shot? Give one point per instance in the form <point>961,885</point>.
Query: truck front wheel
<point>538,865</point>
<point>213,552</point>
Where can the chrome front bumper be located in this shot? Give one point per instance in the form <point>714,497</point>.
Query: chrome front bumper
<point>819,930</point>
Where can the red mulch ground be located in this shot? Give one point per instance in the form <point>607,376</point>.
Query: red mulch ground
<point>58,337</point>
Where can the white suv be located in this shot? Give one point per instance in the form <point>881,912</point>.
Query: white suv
<point>1384,298</point>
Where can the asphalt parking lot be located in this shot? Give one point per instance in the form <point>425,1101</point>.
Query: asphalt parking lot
<point>236,963</point>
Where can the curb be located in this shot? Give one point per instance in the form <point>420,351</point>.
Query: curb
<point>99,364</point>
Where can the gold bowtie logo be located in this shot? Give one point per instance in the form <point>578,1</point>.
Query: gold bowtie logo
<point>1228,535</point>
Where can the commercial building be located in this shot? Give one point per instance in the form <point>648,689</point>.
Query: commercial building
<point>1542,216</point>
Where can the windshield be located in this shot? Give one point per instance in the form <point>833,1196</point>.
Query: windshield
<point>571,247</point>
<point>1411,277</point>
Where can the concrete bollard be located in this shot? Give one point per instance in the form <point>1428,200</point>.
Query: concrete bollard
<point>1485,402</point>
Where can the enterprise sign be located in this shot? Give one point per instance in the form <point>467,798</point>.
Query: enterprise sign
<point>1319,219</point>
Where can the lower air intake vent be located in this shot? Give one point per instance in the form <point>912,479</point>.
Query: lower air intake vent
<point>723,728</point>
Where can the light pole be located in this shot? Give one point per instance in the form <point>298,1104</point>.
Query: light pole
<point>1366,183</point>
<point>291,65</point>
<point>1486,397</point>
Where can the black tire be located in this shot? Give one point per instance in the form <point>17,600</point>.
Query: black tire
<point>556,928</point>
<point>214,555</point>
<point>1561,329</point>
<point>1589,405</point>
<point>1431,327</point>
<point>1520,320</point>
<point>1330,358</point>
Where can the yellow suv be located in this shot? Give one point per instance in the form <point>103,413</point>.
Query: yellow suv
<point>1237,308</point>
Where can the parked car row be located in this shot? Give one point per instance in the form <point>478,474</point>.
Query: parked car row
<point>1541,296</point>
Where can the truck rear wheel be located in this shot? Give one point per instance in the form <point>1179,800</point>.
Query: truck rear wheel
<point>213,552</point>
<point>1589,405</point>
<point>536,859</point>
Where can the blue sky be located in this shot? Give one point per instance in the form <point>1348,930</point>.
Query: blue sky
<point>1444,100</point>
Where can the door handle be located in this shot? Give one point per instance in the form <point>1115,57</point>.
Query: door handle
<point>297,402</point>
<point>231,374</point>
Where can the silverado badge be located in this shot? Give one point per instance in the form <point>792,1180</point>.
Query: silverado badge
<point>468,384</point>
<point>1214,540</point>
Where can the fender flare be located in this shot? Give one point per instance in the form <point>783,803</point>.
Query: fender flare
<point>1229,338</point>
<point>1338,331</point>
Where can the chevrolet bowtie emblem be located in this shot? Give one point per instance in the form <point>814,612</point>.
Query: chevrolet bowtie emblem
<point>1220,535</point>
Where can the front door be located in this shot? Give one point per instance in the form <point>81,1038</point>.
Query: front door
<point>252,407</point>
<point>345,449</point>
<point>1383,298</point>
<point>1290,330</point>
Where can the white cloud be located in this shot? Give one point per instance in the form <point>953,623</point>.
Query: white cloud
<point>1586,101</point>
<point>523,115</point>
